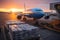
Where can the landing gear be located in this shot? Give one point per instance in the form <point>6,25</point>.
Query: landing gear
<point>24,18</point>
<point>36,22</point>
<point>47,17</point>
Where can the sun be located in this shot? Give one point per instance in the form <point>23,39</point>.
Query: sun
<point>14,10</point>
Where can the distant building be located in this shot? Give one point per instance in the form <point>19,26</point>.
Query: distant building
<point>52,5</point>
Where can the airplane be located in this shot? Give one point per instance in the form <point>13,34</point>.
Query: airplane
<point>36,13</point>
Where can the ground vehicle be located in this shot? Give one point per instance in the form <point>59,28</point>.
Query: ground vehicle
<point>22,31</point>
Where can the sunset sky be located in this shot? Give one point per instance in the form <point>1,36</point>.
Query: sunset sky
<point>43,4</point>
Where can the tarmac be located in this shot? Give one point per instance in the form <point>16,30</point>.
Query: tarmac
<point>45,33</point>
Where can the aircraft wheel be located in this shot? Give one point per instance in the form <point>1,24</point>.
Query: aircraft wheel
<point>19,17</point>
